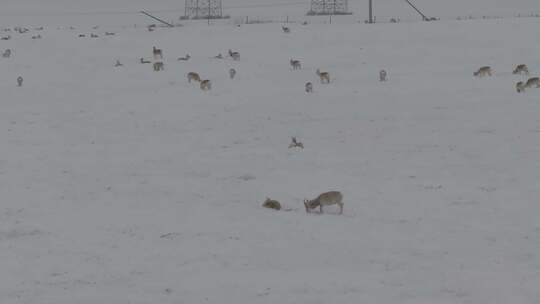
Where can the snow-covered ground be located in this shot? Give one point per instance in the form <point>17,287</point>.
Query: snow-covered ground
<point>124,185</point>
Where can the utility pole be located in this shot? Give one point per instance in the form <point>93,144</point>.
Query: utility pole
<point>209,4</point>
<point>370,11</point>
<point>333,10</point>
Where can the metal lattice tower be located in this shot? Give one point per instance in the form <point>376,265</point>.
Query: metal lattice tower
<point>329,7</point>
<point>203,9</point>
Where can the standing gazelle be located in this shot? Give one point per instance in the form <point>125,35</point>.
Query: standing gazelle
<point>325,199</point>
<point>158,53</point>
<point>324,76</point>
<point>296,65</point>
<point>308,87</point>
<point>383,75</point>
<point>232,73</point>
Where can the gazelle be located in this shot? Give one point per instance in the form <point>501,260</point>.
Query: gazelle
<point>185,58</point>
<point>325,199</point>
<point>158,66</point>
<point>521,69</point>
<point>309,87</point>
<point>324,76</point>
<point>483,71</point>
<point>382,75</point>
<point>158,53</point>
<point>535,81</point>
<point>206,85</point>
<point>232,73</point>
<point>234,55</point>
<point>296,65</point>
<point>294,143</point>
<point>272,204</point>
<point>193,76</point>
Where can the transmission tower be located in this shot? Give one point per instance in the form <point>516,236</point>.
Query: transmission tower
<point>203,9</point>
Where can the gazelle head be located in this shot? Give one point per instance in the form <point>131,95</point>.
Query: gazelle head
<point>520,87</point>
<point>310,204</point>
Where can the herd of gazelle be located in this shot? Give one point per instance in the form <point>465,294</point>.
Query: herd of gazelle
<point>520,69</point>
<point>204,84</point>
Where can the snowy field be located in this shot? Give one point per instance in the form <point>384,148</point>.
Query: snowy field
<point>125,185</point>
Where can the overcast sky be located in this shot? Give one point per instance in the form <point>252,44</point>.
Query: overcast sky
<point>383,8</point>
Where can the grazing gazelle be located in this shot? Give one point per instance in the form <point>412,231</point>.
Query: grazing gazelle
<point>206,85</point>
<point>325,199</point>
<point>271,204</point>
<point>193,76</point>
<point>158,66</point>
<point>296,65</point>
<point>324,76</point>
<point>483,71</point>
<point>520,87</point>
<point>521,69</point>
<point>382,75</point>
<point>234,55</point>
<point>232,73</point>
<point>309,87</point>
<point>535,81</point>
<point>158,53</point>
